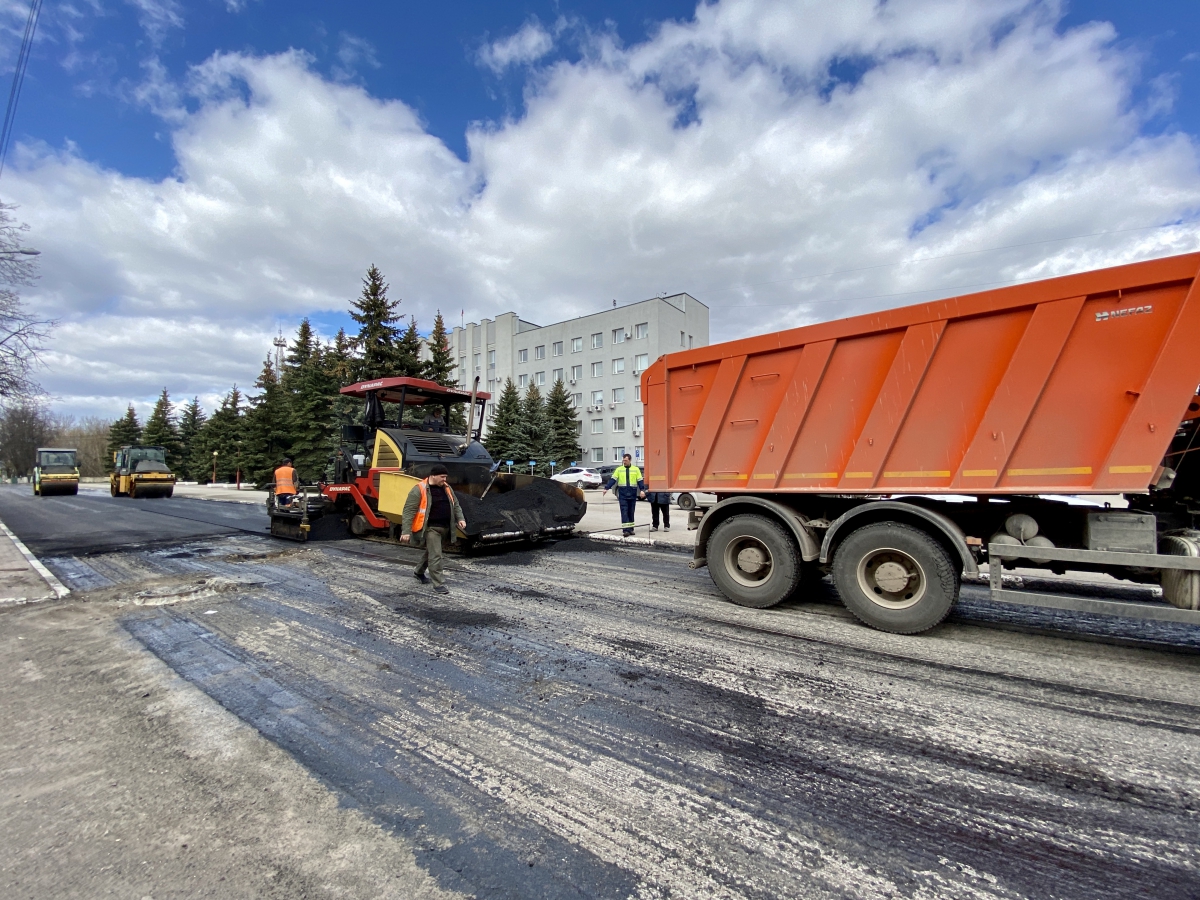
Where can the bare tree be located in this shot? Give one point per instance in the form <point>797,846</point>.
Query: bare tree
<point>24,426</point>
<point>22,335</point>
<point>89,436</point>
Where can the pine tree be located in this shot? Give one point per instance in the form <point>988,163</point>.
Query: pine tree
<point>530,435</point>
<point>562,441</point>
<point>408,352</point>
<point>126,430</point>
<point>223,433</point>
<point>378,332</point>
<point>313,433</point>
<point>190,423</point>
<point>267,429</point>
<point>161,431</point>
<point>501,436</point>
<point>440,366</point>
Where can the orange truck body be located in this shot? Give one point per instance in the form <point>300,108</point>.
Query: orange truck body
<point>1070,385</point>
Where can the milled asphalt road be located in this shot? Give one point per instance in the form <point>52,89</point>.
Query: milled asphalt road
<point>573,721</point>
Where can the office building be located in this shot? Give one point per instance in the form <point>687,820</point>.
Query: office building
<point>601,358</point>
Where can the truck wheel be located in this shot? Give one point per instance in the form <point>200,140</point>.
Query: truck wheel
<point>895,578</point>
<point>686,501</point>
<point>753,561</point>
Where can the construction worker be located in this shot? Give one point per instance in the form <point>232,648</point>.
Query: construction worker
<point>285,483</point>
<point>430,513</point>
<point>627,478</point>
<point>433,420</point>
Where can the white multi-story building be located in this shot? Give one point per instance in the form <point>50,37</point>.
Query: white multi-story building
<point>601,358</point>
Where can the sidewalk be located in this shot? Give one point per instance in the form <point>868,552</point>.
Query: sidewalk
<point>22,578</point>
<point>603,520</point>
<point>204,492</point>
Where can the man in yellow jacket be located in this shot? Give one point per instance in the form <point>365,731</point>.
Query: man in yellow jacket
<point>627,479</point>
<point>430,513</point>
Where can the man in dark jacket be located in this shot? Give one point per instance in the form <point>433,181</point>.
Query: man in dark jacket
<point>430,514</point>
<point>627,478</point>
<point>660,502</point>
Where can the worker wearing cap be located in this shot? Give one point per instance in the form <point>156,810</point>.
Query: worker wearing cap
<point>285,483</point>
<point>430,514</point>
<point>627,478</point>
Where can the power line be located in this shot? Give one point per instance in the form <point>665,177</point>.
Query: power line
<point>14,94</point>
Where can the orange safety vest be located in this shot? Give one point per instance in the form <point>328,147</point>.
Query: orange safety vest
<point>419,519</point>
<point>285,480</point>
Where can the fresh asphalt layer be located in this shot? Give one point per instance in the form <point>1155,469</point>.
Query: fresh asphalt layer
<point>590,721</point>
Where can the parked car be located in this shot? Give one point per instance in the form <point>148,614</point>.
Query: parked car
<point>580,477</point>
<point>689,500</point>
<point>606,471</point>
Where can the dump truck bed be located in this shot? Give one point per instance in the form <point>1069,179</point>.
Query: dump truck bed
<point>1068,385</point>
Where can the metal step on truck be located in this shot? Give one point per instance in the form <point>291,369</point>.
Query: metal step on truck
<point>1053,425</point>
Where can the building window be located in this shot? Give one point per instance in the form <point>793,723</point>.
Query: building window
<point>641,362</point>
<point>462,375</point>
<point>539,352</point>
<point>637,423</point>
<point>618,335</point>
<point>597,454</point>
<point>618,452</point>
<point>475,359</point>
<point>597,426</point>
<point>597,398</point>
<point>577,345</point>
<point>576,373</point>
<point>637,393</point>
<point>557,376</point>
<point>578,429</point>
<point>522,356</point>
<point>576,401</point>
<point>619,366</point>
<point>491,359</point>
<point>597,369</point>
<point>641,331</point>
<point>556,348</point>
<point>638,452</point>
<point>522,381</point>
<point>682,335</point>
<point>597,340</point>
<point>618,395</point>
<point>619,423</point>
<point>539,379</point>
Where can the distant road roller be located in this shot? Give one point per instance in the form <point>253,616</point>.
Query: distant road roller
<point>55,471</point>
<point>141,472</point>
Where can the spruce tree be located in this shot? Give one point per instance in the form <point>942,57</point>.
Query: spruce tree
<point>267,429</point>
<point>562,440</point>
<point>408,352</point>
<point>313,433</point>
<point>126,430</point>
<point>190,423</point>
<point>223,433</point>
<point>161,431</point>
<point>338,365</point>
<point>378,333</point>
<point>501,435</point>
<point>440,365</point>
<point>530,435</point>
<point>299,355</point>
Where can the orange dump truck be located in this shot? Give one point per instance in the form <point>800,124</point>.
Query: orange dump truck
<point>900,450</point>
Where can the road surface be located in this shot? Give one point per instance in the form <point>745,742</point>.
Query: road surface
<point>589,721</point>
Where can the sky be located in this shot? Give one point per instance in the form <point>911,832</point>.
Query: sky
<point>199,175</point>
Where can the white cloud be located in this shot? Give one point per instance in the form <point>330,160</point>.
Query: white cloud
<point>354,52</point>
<point>528,45</point>
<point>723,157</point>
<point>157,17</point>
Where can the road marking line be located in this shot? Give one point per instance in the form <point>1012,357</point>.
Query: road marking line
<point>60,589</point>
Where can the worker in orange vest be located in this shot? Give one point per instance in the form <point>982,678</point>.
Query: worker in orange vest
<point>285,483</point>
<point>430,514</point>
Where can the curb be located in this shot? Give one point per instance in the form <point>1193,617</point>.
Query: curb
<point>60,590</point>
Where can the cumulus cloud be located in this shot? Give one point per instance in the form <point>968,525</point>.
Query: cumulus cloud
<point>784,162</point>
<point>528,45</point>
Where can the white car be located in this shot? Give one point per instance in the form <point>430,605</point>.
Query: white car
<point>580,477</point>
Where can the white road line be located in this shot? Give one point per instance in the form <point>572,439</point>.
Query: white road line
<point>60,589</point>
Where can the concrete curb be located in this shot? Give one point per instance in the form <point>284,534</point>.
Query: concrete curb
<point>60,590</point>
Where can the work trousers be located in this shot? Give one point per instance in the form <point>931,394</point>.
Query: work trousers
<point>628,505</point>
<point>432,559</point>
<point>666,514</point>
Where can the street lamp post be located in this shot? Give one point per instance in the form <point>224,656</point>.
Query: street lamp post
<point>214,478</point>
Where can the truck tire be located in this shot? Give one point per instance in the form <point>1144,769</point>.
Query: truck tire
<point>686,501</point>
<point>753,561</point>
<point>895,578</point>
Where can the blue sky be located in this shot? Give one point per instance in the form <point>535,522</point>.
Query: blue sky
<point>196,184</point>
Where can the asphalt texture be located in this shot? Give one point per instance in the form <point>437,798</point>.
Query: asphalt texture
<point>581,720</point>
